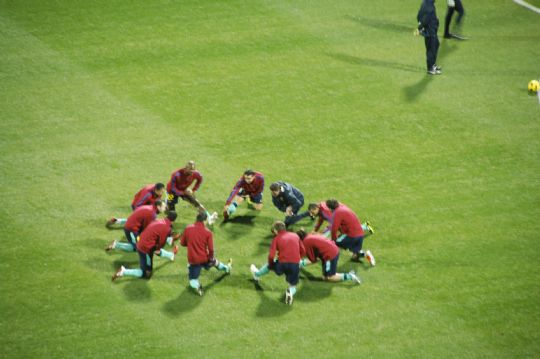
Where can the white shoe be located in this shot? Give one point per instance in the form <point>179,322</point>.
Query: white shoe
<point>119,273</point>
<point>288,297</point>
<point>111,246</point>
<point>354,277</point>
<point>213,218</point>
<point>254,271</point>
<point>370,258</point>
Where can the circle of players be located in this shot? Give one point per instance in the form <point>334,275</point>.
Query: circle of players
<point>289,251</point>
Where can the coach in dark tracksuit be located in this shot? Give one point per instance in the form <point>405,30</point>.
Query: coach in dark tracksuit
<point>428,24</point>
<point>288,199</point>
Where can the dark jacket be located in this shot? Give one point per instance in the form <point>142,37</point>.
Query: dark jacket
<point>288,196</point>
<point>428,22</point>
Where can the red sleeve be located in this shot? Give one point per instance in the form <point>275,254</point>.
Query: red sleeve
<point>235,190</point>
<point>302,249</point>
<point>261,184</point>
<point>173,184</point>
<point>198,182</point>
<point>335,225</point>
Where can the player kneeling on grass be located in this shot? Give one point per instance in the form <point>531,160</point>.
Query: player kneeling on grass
<point>200,251</point>
<point>135,224</point>
<point>322,213</point>
<point>345,221</point>
<point>319,247</point>
<point>151,241</point>
<point>250,186</point>
<point>289,250</point>
<point>147,196</point>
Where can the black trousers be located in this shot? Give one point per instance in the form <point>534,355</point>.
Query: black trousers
<point>432,48</point>
<point>450,13</point>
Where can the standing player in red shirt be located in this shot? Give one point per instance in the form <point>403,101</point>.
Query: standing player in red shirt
<point>319,247</point>
<point>148,195</point>
<point>200,252</point>
<point>289,250</point>
<point>322,213</point>
<point>136,223</point>
<point>250,186</point>
<point>151,241</point>
<point>347,223</point>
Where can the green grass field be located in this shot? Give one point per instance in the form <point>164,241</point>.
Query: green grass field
<point>99,98</point>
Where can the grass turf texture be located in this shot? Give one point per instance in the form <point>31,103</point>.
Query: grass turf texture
<point>99,98</point>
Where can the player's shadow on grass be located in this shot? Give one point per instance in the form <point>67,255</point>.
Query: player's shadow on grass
<point>314,289</point>
<point>188,299</point>
<point>412,92</point>
<point>363,61</point>
<point>269,307</point>
<point>381,24</point>
<point>264,245</point>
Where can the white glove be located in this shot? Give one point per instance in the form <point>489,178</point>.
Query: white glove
<point>451,3</point>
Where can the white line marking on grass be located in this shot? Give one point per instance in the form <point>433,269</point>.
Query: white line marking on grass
<point>528,6</point>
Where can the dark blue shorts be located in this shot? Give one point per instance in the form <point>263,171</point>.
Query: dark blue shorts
<point>195,269</point>
<point>352,244</point>
<point>146,262</point>
<point>257,198</point>
<point>329,268</point>
<point>131,238</point>
<point>291,271</point>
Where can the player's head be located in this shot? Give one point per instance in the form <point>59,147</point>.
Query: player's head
<point>275,188</point>
<point>201,217</point>
<point>190,166</point>
<point>278,226</point>
<point>301,233</point>
<point>161,206</point>
<point>249,175</point>
<point>313,209</point>
<point>171,216</point>
<point>159,189</point>
<point>332,204</point>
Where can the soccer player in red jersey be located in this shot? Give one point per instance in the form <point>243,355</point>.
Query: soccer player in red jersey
<point>250,186</point>
<point>148,195</point>
<point>200,252</point>
<point>319,247</point>
<point>347,223</point>
<point>151,241</point>
<point>136,223</point>
<point>289,250</point>
<point>179,186</point>
<point>322,213</point>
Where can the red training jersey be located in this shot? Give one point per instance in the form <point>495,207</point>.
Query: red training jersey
<point>199,242</point>
<point>325,214</point>
<point>318,246</point>
<point>347,222</point>
<point>147,195</point>
<point>289,248</point>
<point>249,189</point>
<point>154,236</point>
<point>141,218</point>
<point>181,180</point>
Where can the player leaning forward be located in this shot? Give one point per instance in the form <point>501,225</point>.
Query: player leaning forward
<point>200,252</point>
<point>151,241</point>
<point>346,222</point>
<point>289,250</point>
